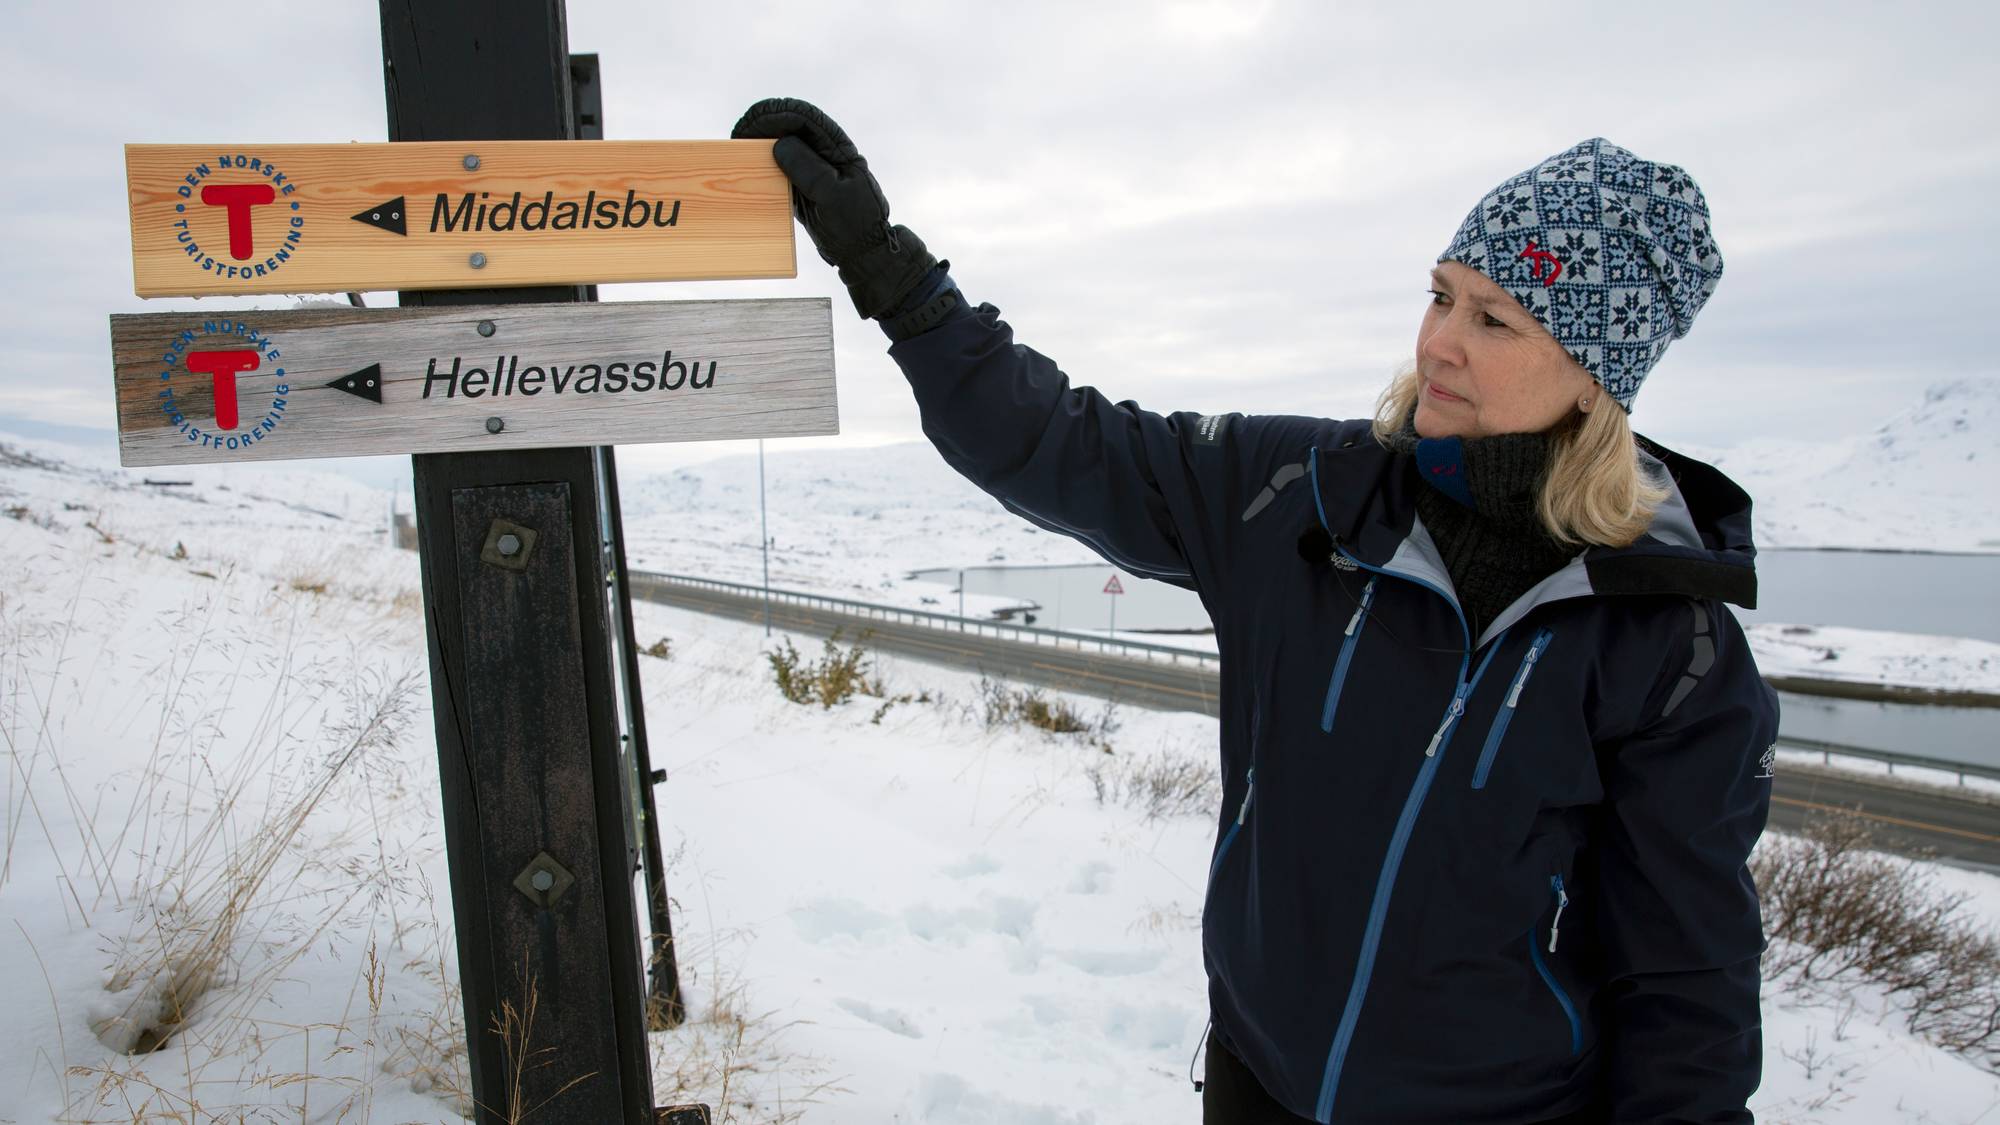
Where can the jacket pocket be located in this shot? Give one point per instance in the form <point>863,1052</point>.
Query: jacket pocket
<point>1541,967</point>
<point>1498,730</point>
<point>1235,828</point>
<point>1340,665</point>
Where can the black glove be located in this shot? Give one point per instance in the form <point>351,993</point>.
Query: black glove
<point>840,203</point>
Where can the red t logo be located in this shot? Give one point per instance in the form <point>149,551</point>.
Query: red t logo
<point>238,199</point>
<point>224,366</point>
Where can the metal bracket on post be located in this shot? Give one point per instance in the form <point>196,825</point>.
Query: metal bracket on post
<point>544,880</point>
<point>508,545</point>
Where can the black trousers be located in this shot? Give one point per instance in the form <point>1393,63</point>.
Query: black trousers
<point>1231,1095</point>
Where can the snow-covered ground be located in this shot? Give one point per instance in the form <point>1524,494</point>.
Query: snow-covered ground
<point>1919,482</point>
<point>1871,656</point>
<point>219,759</point>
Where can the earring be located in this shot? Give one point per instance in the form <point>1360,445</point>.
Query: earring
<point>1583,404</point>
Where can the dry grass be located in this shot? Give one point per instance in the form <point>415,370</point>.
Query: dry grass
<point>726,1054</point>
<point>1169,783</point>
<point>193,868</point>
<point>514,1026</point>
<point>193,914</point>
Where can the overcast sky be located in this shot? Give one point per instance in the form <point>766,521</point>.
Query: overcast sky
<point>1203,206</point>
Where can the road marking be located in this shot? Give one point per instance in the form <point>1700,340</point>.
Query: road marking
<point>1970,835</point>
<point>1117,680</point>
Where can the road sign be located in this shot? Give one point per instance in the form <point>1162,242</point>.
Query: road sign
<point>211,219</point>
<point>267,385</point>
<point>1112,587</point>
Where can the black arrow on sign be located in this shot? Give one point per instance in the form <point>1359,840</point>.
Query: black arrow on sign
<point>388,216</point>
<point>365,383</point>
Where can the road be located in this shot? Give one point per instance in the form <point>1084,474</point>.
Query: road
<point>1908,819</point>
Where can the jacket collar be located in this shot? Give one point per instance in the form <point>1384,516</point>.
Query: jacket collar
<point>1699,544</point>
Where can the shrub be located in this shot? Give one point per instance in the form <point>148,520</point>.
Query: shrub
<point>659,649</point>
<point>1004,705</point>
<point>1837,911</point>
<point>836,677</point>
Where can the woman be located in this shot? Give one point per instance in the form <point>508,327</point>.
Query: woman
<point>1494,753</point>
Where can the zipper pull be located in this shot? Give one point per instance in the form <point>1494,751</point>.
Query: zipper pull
<point>1562,902</point>
<point>1527,667</point>
<point>1249,787</point>
<point>1367,595</point>
<point>1451,715</point>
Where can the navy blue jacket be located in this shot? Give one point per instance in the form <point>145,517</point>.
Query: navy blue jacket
<point>1457,879</point>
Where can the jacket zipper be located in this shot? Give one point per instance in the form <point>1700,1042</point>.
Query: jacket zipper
<point>1242,814</point>
<point>1378,909</point>
<point>1499,730</point>
<point>1346,658</point>
<point>1562,903</point>
<point>1548,978</point>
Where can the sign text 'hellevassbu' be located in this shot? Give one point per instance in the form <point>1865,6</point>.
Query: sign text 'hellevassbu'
<point>329,218</point>
<point>268,385</point>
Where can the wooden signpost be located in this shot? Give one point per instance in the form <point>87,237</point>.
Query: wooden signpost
<point>286,218</point>
<point>508,386</point>
<point>260,386</point>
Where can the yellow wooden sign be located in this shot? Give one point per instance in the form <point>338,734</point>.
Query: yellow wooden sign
<point>212,219</point>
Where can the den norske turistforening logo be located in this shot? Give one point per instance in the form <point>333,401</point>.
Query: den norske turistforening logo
<point>238,216</point>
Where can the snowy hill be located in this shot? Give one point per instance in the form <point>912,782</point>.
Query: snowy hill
<point>889,911</point>
<point>848,522</point>
<point>1920,482</point>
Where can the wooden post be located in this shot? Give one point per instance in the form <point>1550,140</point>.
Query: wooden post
<point>520,652</point>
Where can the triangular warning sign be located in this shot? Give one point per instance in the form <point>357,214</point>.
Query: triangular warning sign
<point>388,216</point>
<point>365,383</point>
<point>1112,587</point>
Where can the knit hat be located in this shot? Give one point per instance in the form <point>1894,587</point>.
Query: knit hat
<point>1610,252</point>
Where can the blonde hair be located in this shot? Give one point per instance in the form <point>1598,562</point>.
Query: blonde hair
<point>1595,491</point>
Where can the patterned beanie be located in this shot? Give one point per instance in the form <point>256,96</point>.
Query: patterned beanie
<point>1610,252</point>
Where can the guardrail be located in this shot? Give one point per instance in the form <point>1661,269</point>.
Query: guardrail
<point>1891,758</point>
<point>1026,634</point>
<point>1031,634</point>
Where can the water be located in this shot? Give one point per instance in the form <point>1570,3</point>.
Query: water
<point>1073,597</point>
<point>1905,592</point>
<point>1908,592</point>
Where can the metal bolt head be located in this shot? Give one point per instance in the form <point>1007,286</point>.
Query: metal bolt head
<point>486,328</point>
<point>495,425</point>
<point>510,545</point>
<point>477,261</point>
<point>471,163</point>
<point>544,881</point>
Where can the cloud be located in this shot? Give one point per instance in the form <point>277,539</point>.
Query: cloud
<point>1196,205</point>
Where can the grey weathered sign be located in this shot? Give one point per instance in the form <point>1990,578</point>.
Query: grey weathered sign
<point>255,385</point>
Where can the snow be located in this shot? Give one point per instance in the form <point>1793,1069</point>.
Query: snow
<point>1871,656</point>
<point>1919,482</point>
<point>885,914</point>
